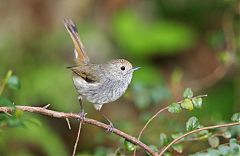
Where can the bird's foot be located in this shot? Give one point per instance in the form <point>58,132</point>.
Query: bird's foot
<point>82,115</point>
<point>110,128</point>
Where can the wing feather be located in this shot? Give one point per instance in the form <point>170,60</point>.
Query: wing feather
<point>88,73</point>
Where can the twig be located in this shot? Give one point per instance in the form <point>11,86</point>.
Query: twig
<point>93,122</point>
<point>68,123</point>
<point>195,131</point>
<point>156,114</point>
<point>77,139</point>
<point>199,96</point>
<point>46,106</point>
<point>145,126</point>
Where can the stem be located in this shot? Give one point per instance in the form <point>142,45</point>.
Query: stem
<point>145,126</point>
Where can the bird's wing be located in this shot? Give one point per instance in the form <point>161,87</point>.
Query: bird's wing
<point>88,73</point>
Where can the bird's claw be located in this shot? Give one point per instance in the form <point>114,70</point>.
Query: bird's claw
<point>82,115</point>
<point>110,128</point>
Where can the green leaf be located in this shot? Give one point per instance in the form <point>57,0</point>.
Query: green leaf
<point>187,104</point>
<point>14,83</point>
<point>234,145</point>
<point>197,102</point>
<point>188,93</point>
<point>224,149</point>
<point>233,141</point>
<point>129,146</point>
<point>213,141</point>
<point>236,117</point>
<point>178,148</point>
<point>227,135</point>
<point>212,152</point>
<point>6,102</point>
<point>192,124</point>
<point>174,108</point>
<point>163,139</point>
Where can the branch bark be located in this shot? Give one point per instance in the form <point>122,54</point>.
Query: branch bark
<point>56,114</point>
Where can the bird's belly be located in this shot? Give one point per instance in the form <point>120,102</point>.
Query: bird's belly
<point>101,96</point>
<point>109,91</point>
<point>100,93</point>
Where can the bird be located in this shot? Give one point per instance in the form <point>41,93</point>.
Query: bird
<point>98,84</point>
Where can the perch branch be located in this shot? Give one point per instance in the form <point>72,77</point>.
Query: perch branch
<point>93,122</point>
<point>195,131</point>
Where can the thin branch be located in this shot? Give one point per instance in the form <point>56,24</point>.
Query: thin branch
<point>153,117</point>
<point>156,114</point>
<point>77,139</point>
<point>199,96</point>
<point>93,122</point>
<point>145,126</point>
<point>68,123</point>
<point>195,131</point>
<point>46,106</point>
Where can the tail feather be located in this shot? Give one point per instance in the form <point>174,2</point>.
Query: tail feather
<point>80,53</point>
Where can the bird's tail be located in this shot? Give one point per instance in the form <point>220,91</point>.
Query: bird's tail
<point>79,51</point>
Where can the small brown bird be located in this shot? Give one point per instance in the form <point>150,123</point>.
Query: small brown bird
<point>97,83</point>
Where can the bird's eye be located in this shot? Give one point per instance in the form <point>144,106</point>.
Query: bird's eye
<point>123,68</point>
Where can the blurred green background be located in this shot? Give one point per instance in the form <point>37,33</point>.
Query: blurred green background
<point>178,44</point>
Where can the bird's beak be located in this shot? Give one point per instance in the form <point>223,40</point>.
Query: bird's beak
<point>135,68</point>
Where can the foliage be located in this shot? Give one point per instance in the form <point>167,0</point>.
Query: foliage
<point>189,102</point>
<point>29,127</point>
<point>236,117</point>
<point>232,148</point>
<point>192,124</point>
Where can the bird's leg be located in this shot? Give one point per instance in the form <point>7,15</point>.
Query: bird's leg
<point>82,114</point>
<point>110,126</point>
